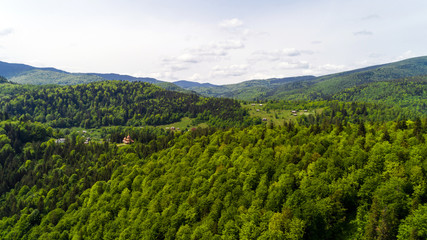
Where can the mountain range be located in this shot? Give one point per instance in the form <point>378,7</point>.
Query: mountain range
<point>291,88</point>
<point>312,87</point>
<point>127,159</point>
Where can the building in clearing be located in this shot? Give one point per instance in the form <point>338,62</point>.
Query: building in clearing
<point>264,119</point>
<point>127,140</point>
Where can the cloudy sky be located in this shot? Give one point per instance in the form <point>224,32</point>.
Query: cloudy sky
<point>217,41</point>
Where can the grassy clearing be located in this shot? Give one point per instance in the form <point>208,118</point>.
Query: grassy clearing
<point>96,133</point>
<point>185,123</point>
<point>278,116</point>
<point>93,133</point>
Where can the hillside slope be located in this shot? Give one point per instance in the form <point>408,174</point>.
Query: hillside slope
<point>43,77</point>
<point>25,74</point>
<point>248,90</point>
<point>352,181</point>
<point>315,88</point>
<point>331,84</point>
<point>117,103</point>
<point>408,93</point>
<point>325,87</point>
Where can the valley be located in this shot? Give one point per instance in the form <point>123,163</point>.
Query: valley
<point>341,156</point>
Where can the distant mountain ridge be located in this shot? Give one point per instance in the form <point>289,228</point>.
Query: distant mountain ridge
<point>26,74</point>
<point>290,88</point>
<point>114,76</point>
<point>188,84</point>
<point>315,88</point>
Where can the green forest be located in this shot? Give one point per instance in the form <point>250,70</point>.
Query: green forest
<point>351,181</point>
<point>352,165</point>
<point>312,88</point>
<point>112,103</point>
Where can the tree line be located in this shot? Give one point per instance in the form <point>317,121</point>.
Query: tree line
<point>111,103</point>
<point>294,181</point>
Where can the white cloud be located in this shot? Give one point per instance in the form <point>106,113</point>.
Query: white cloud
<point>331,68</point>
<point>294,65</point>
<point>189,58</point>
<point>277,55</point>
<point>371,17</point>
<point>363,33</point>
<point>290,52</point>
<point>263,76</point>
<point>375,55</point>
<point>208,52</point>
<point>195,36</point>
<point>229,71</point>
<point>231,23</point>
<point>213,51</point>
<point>183,58</point>
<point>217,49</point>
<point>176,67</point>
<point>236,28</point>
<point>6,31</point>
<point>228,44</point>
<point>316,70</point>
<point>162,75</point>
<point>405,55</point>
<point>195,77</point>
<point>204,52</point>
<point>179,63</point>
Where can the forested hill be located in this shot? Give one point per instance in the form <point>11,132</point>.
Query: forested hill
<point>345,181</point>
<point>316,88</point>
<point>409,93</point>
<point>118,103</point>
<point>291,88</point>
<point>29,75</point>
<point>327,86</point>
<point>25,74</point>
<point>351,166</point>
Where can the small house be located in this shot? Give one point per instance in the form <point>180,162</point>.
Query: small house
<point>127,140</point>
<point>264,119</point>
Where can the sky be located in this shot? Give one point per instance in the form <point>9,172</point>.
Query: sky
<point>216,41</point>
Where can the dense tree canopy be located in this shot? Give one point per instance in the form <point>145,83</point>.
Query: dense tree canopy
<point>3,79</point>
<point>361,180</point>
<point>349,167</point>
<point>118,103</point>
